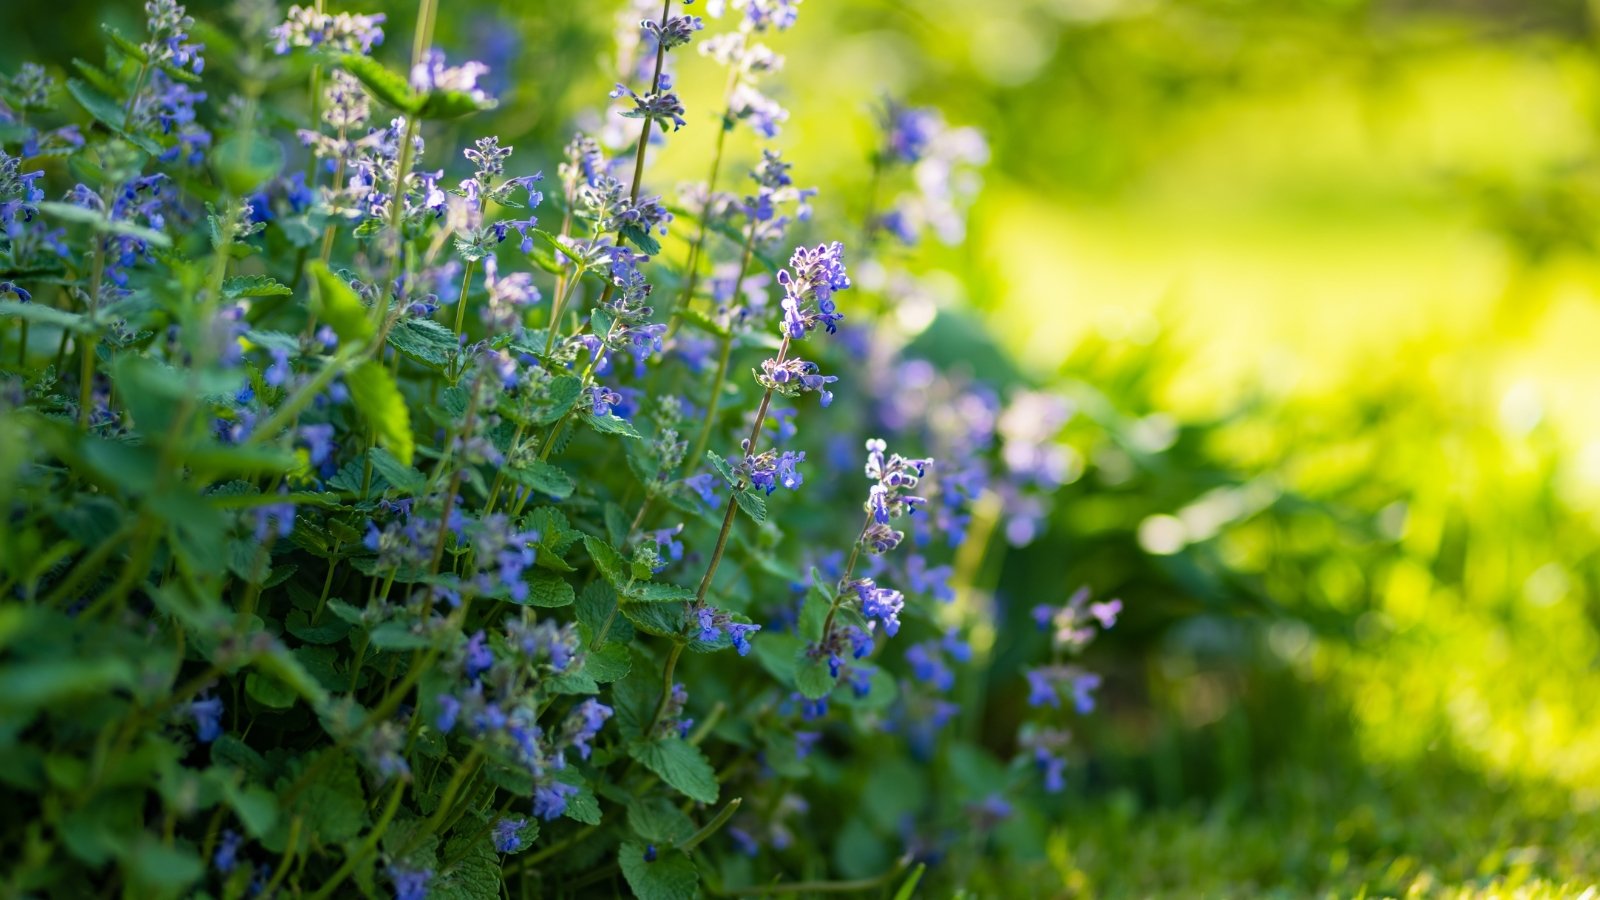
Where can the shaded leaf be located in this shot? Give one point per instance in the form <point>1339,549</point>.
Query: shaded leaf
<point>379,401</point>
<point>680,764</point>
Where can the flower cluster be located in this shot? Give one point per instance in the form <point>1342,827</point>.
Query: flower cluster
<point>169,23</point>
<point>814,275</point>
<point>343,32</point>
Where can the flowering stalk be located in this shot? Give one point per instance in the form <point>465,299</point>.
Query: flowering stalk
<point>638,177</point>
<point>692,266</point>
<point>733,505</point>
<point>726,352</point>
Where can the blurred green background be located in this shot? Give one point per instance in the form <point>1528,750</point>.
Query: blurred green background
<point>1321,279</point>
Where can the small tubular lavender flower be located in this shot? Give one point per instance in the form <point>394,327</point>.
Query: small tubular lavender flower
<point>602,399</point>
<point>508,297</point>
<point>1047,746</point>
<point>476,657</point>
<point>704,486</point>
<point>583,724</point>
<point>341,33</point>
<point>1072,624</point>
<point>770,468</point>
<point>169,23</point>
<point>1047,684</point>
<point>227,855</point>
<point>409,884</point>
<point>584,165</point>
<point>813,277</point>
<point>795,376</point>
<point>677,31</point>
<point>927,665</point>
<point>909,130</point>
<point>449,712</point>
<point>668,547</point>
<point>508,834</point>
<point>662,106</point>
<point>764,115</point>
<point>713,623</point>
<point>672,720</point>
<point>19,191</point>
<point>544,641</point>
<point>384,749</point>
<point>432,73</point>
<point>879,603</point>
<point>207,714</point>
<point>274,519</point>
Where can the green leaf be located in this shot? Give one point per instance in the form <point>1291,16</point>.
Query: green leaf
<point>611,424</point>
<point>582,806</point>
<point>336,303</point>
<point>281,664</point>
<point>67,212</point>
<point>388,88</point>
<point>613,568</point>
<point>268,692</point>
<point>561,394</point>
<point>660,619</point>
<point>476,874</point>
<point>237,286</point>
<point>659,821</point>
<point>671,876</point>
<point>611,662</point>
<point>109,113</point>
<point>778,654</point>
<point>881,693</point>
<point>332,803</point>
<point>543,477</point>
<point>641,238</point>
<point>425,341</point>
<point>811,675</point>
<point>244,162</point>
<point>54,680</point>
<point>160,870</point>
<point>753,504</point>
<point>680,764</point>
<point>379,401</point>
<point>46,315</point>
<point>573,682</point>
<point>908,887</point>
<point>451,105</point>
<point>401,477</point>
<point>329,630</point>
<point>597,605</point>
<point>256,807</point>
<point>548,590</point>
<point>659,592</point>
<point>815,610</point>
<point>719,463</point>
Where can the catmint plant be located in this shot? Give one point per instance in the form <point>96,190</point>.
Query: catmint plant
<point>380,515</point>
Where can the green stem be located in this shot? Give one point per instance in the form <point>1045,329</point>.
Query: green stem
<point>461,304</point>
<point>666,685</point>
<point>467,769</point>
<point>368,845</point>
<point>533,859</point>
<point>692,267</point>
<point>86,364</point>
<point>711,827</point>
<point>849,569</point>
<point>733,505</point>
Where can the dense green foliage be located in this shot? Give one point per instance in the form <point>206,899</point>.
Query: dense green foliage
<point>1337,461</point>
